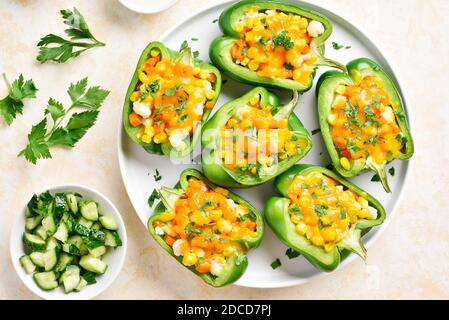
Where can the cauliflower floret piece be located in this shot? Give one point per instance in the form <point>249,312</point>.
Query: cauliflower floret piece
<point>177,247</point>
<point>198,108</point>
<point>315,29</point>
<point>217,266</point>
<point>177,139</point>
<point>372,212</point>
<point>158,230</point>
<point>231,203</point>
<point>142,109</point>
<point>388,114</point>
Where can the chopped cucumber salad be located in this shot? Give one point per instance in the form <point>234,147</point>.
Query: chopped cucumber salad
<point>65,239</point>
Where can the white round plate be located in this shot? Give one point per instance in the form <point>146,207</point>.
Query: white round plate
<point>148,6</point>
<point>114,258</point>
<point>137,166</point>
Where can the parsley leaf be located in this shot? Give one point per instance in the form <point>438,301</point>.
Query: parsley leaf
<point>291,253</point>
<point>40,139</point>
<point>391,171</point>
<point>149,89</point>
<point>282,39</point>
<point>321,210</point>
<point>157,176</point>
<point>171,92</point>
<point>37,146</point>
<point>153,197</point>
<point>57,49</point>
<point>276,264</point>
<point>375,178</point>
<point>12,104</point>
<point>338,46</point>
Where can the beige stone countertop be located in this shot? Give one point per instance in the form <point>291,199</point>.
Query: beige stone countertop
<point>411,256</point>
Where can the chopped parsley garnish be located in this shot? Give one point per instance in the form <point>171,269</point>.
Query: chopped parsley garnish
<point>288,66</point>
<point>351,146</point>
<point>291,253</point>
<point>276,264</point>
<point>314,132</point>
<point>157,176</point>
<point>391,171</point>
<point>282,39</point>
<point>245,51</point>
<point>372,139</point>
<point>149,89</point>
<point>194,39</point>
<point>338,46</point>
<point>343,213</point>
<point>375,178</point>
<point>215,21</point>
<point>207,204</point>
<point>171,92</point>
<point>321,209</point>
<point>263,41</point>
<point>153,197</point>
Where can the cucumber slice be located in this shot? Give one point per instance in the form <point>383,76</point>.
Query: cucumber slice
<point>72,202</point>
<point>112,239</point>
<point>79,243</point>
<point>32,222</point>
<point>81,285</point>
<point>108,222</point>
<point>98,251</point>
<point>60,206</point>
<point>50,258</point>
<point>46,280</point>
<point>64,260</point>
<point>82,230</point>
<point>70,278</point>
<point>62,233</point>
<point>71,249</point>
<point>41,232</point>
<point>38,259</point>
<point>84,222</point>
<point>93,264</point>
<point>52,243</point>
<point>27,264</point>
<point>34,242</point>
<point>49,224</point>
<point>96,226</point>
<point>89,210</point>
<point>65,217</point>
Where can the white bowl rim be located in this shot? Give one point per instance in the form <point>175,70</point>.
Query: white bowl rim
<point>110,277</point>
<point>141,9</point>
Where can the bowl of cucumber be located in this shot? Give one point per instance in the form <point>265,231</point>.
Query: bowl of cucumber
<point>69,242</point>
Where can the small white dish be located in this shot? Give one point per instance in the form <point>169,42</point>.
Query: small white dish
<point>114,258</point>
<point>148,6</point>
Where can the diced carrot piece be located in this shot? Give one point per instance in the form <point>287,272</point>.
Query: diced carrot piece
<point>203,267</point>
<point>134,119</point>
<point>169,240</point>
<point>209,105</point>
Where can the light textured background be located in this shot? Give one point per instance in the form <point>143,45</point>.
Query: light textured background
<point>411,258</point>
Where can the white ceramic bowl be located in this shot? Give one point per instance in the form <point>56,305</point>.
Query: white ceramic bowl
<point>148,6</point>
<point>114,258</point>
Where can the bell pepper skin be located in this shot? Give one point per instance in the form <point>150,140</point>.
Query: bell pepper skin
<point>237,263</point>
<point>220,48</point>
<point>186,57</point>
<point>278,218</point>
<point>325,92</point>
<point>213,166</point>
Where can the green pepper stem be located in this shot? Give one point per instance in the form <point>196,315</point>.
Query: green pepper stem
<point>286,110</point>
<point>353,242</point>
<point>381,172</point>
<point>326,62</point>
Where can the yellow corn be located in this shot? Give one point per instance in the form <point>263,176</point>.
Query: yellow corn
<point>215,214</point>
<point>253,170</point>
<point>204,74</point>
<point>148,100</point>
<point>297,75</point>
<point>228,251</point>
<point>253,65</point>
<point>363,202</point>
<point>224,226</point>
<point>149,131</point>
<point>326,220</point>
<point>244,61</point>
<point>146,138</point>
<point>252,52</point>
<point>301,228</point>
<point>356,75</point>
<point>328,234</point>
<point>143,78</point>
<point>239,27</point>
<point>196,70</point>
<point>154,52</point>
<point>160,138</point>
<point>167,216</point>
<point>135,96</point>
<point>317,240</point>
<point>189,259</point>
<point>344,162</point>
<point>254,100</point>
<point>303,23</point>
<point>210,94</point>
<point>379,83</point>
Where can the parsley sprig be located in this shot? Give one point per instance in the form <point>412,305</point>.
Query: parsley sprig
<point>41,139</point>
<point>58,49</point>
<point>12,104</point>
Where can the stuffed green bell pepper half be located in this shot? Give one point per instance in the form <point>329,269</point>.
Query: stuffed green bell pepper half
<point>362,119</point>
<point>170,96</point>
<point>272,44</point>
<point>321,215</point>
<point>208,229</point>
<point>253,139</point>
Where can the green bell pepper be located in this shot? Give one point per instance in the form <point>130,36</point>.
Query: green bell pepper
<point>213,166</point>
<point>220,49</point>
<point>186,57</point>
<point>326,91</point>
<point>278,218</point>
<point>237,263</point>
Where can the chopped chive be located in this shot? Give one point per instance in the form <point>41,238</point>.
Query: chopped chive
<point>314,132</point>
<point>375,178</point>
<point>391,171</point>
<point>157,176</point>
<point>276,264</point>
<point>291,253</point>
